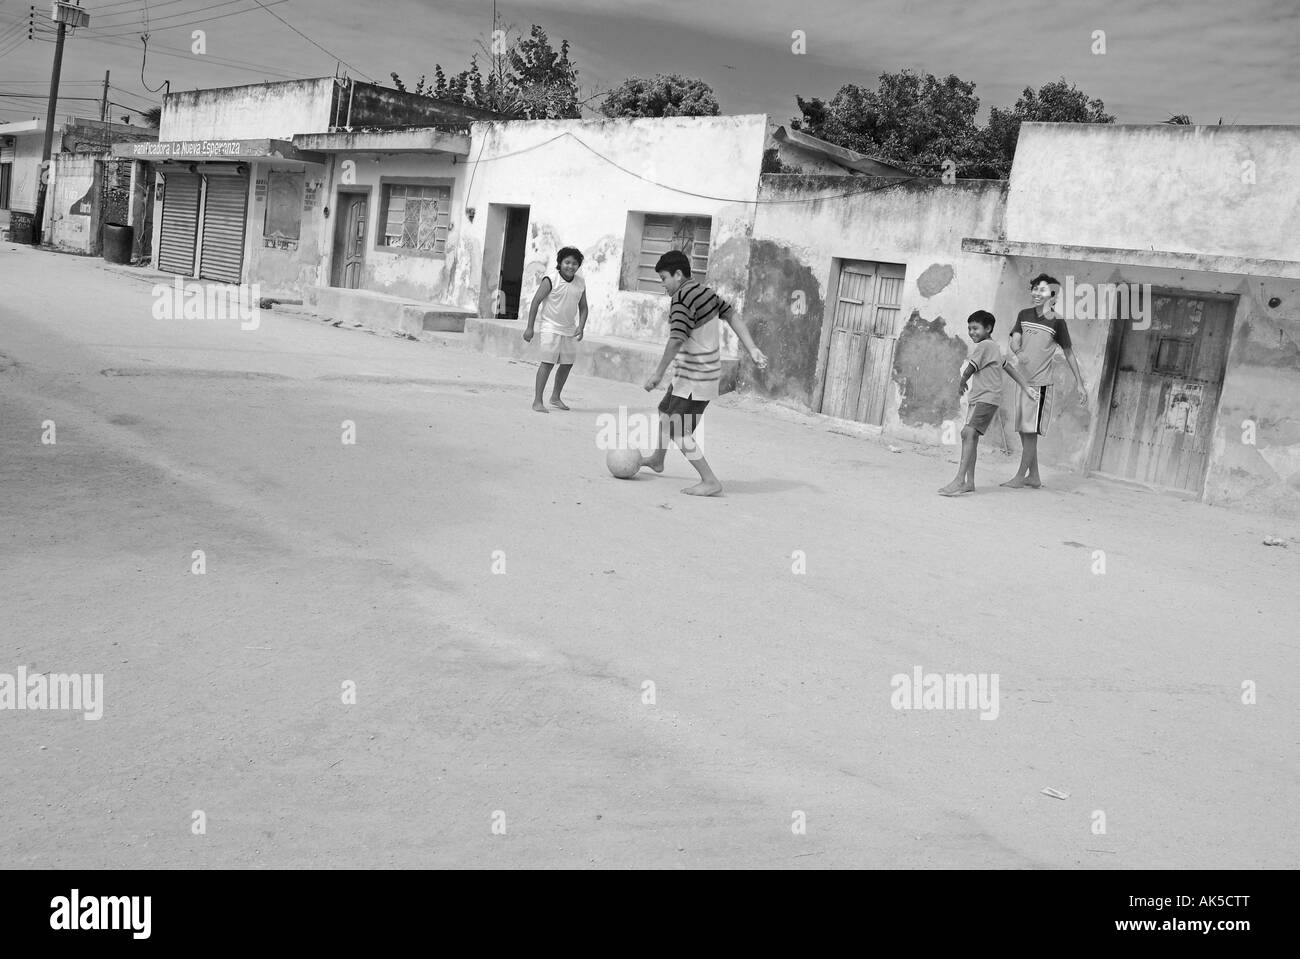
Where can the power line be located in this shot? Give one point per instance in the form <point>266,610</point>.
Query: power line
<point>335,56</point>
<point>208,58</point>
<point>892,182</point>
<point>173,26</point>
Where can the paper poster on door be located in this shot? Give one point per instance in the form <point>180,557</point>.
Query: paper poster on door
<point>1184,407</point>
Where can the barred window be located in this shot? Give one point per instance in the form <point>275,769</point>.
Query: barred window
<point>415,217</point>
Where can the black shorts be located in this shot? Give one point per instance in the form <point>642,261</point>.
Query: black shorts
<point>683,410</point>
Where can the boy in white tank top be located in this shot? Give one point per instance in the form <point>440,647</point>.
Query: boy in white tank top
<point>563,302</point>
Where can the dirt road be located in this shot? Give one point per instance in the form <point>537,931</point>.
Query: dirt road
<point>498,603</point>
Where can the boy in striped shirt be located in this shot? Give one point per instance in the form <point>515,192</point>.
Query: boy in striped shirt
<point>694,348</point>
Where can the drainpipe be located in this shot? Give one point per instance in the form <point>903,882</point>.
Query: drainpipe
<point>352,89</point>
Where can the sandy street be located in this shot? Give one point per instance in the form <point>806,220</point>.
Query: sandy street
<point>499,603</point>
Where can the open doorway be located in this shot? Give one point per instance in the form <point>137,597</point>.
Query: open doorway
<point>503,264</point>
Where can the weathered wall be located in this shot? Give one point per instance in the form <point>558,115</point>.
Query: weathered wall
<point>1261,383</point>
<point>1228,191</point>
<point>425,278</point>
<point>26,171</point>
<point>276,270</point>
<point>578,199</point>
<point>275,110</point>
<point>1186,189</point>
<point>804,224</point>
<point>72,203</point>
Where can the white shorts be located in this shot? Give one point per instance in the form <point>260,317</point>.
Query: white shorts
<point>556,348</point>
<point>1034,415</point>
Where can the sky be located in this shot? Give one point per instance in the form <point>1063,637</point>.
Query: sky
<point>1237,61</point>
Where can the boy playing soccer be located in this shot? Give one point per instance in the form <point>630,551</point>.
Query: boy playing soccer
<point>983,368</point>
<point>563,301</point>
<point>694,342</point>
<point>1038,331</point>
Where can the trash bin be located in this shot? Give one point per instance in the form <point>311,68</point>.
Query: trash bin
<point>117,242</point>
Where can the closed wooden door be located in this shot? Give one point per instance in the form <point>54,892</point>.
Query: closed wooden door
<point>1168,379</point>
<point>349,241</point>
<point>861,352</point>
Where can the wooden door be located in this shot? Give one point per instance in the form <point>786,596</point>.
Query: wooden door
<point>1168,378</point>
<point>861,352</point>
<point>349,241</point>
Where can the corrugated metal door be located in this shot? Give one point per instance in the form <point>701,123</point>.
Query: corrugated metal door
<point>180,223</point>
<point>222,255</point>
<point>1160,426</point>
<point>862,341</point>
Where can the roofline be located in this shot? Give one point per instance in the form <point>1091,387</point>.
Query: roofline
<point>851,159</point>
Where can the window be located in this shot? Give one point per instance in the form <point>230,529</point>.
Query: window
<point>415,217</point>
<point>1173,356</point>
<point>651,235</point>
<point>5,171</point>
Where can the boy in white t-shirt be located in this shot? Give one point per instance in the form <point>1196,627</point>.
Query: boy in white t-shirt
<point>563,302</point>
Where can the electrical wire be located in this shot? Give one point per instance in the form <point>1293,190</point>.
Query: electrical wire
<point>173,26</point>
<point>893,181</point>
<point>335,56</point>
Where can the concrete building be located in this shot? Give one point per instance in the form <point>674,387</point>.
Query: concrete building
<point>405,213</point>
<point>236,201</point>
<point>20,169</point>
<point>860,293</point>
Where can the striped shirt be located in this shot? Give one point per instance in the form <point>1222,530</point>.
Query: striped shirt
<point>694,321</point>
<point>1039,337</point>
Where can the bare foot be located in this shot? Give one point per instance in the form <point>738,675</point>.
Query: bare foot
<point>558,403</point>
<point>1016,483</point>
<point>703,489</point>
<point>655,463</point>
<point>1034,482</point>
<point>539,407</point>
<point>956,489</point>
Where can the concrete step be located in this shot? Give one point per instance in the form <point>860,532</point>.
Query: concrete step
<point>380,311</point>
<point>607,357</point>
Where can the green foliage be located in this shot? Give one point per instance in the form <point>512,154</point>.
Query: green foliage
<point>919,122</point>
<point>661,96</point>
<point>526,78</point>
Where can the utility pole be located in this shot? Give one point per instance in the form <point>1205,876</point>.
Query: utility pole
<point>103,102</point>
<point>66,15</point>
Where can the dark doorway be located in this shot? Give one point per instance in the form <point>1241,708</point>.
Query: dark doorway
<point>514,244</point>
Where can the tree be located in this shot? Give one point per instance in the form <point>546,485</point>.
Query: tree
<point>546,80</point>
<point>152,117</point>
<point>526,78</point>
<point>912,120</point>
<point>1055,102</point>
<point>927,126</point>
<point>661,96</point>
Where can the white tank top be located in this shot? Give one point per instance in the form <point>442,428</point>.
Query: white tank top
<point>559,309</point>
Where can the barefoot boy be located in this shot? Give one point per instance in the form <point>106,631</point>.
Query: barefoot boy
<point>1039,330</point>
<point>563,301</point>
<point>983,368</point>
<point>694,342</point>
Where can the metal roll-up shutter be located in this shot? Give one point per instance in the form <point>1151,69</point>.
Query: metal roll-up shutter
<point>180,223</point>
<point>222,256</point>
